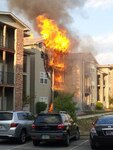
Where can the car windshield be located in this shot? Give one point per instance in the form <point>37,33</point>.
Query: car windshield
<point>48,119</point>
<point>5,116</point>
<point>106,120</point>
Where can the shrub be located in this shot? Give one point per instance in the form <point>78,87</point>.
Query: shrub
<point>99,106</point>
<point>110,100</point>
<point>40,106</point>
<point>64,102</point>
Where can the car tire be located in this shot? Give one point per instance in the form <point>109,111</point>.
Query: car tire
<point>22,138</point>
<point>36,142</point>
<point>67,140</point>
<point>77,136</point>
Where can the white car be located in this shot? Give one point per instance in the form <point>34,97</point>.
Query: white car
<point>16,125</point>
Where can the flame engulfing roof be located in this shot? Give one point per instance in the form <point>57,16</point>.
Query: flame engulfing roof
<point>54,37</point>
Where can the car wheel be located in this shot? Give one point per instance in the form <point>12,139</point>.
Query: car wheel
<point>36,142</point>
<point>77,136</point>
<point>22,138</point>
<point>67,140</point>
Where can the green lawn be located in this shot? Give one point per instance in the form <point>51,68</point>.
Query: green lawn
<point>85,125</point>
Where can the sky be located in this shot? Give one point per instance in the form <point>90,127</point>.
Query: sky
<point>93,25</point>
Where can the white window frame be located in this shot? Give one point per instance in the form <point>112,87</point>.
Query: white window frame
<point>43,78</point>
<point>43,99</point>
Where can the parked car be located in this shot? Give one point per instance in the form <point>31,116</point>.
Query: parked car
<point>54,127</point>
<point>15,124</point>
<point>102,131</point>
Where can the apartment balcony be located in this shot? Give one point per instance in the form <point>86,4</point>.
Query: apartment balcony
<point>87,91</point>
<point>6,78</point>
<point>8,47</point>
<point>1,43</point>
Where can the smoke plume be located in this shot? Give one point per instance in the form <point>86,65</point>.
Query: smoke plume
<point>55,9</point>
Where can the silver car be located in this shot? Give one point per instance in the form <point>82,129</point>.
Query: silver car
<point>16,125</point>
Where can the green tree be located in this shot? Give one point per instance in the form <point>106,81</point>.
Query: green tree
<point>27,99</point>
<point>64,102</point>
<point>40,106</point>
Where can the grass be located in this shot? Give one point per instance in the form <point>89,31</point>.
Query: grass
<point>85,125</point>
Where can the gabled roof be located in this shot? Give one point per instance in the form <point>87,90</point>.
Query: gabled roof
<point>106,66</point>
<point>25,27</point>
<point>32,41</point>
<point>83,56</point>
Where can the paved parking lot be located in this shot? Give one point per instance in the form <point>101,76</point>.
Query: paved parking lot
<point>11,145</point>
<point>82,144</point>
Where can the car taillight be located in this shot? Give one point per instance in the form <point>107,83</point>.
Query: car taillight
<point>60,126</point>
<point>13,124</point>
<point>33,126</point>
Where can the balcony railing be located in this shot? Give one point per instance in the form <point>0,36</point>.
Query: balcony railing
<point>1,44</point>
<point>6,77</point>
<point>8,47</point>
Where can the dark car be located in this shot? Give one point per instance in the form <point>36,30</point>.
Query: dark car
<point>102,131</point>
<point>54,127</point>
<point>16,125</point>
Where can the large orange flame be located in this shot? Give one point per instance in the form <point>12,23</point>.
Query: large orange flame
<point>54,37</point>
<point>57,45</point>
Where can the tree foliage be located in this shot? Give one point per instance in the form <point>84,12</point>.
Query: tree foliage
<point>64,102</point>
<point>27,99</point>
<point>40,106</point>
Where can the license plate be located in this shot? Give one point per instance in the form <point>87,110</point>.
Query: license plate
<point>45,137</point>
<point>109,132</point>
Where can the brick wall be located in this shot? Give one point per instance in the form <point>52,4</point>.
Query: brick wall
<point>19,70</point>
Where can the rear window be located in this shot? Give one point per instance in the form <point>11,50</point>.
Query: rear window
<point>106,120</point>
<point>6,116</point>
<point>52,119</point>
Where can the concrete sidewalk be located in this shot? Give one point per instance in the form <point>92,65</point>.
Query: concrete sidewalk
<point>94,115</point>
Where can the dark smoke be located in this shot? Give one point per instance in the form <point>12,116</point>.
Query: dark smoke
<point>55,9</point>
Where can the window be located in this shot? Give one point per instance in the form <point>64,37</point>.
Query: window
<point>22,116</point>
<point>44,99</point>
<point>6,116</point>
<point>24,85</point>
<point>48,119</point>
<point>10,38</point>
<point>25,64</point>
<point>1,37</point>
<point>43,78</point>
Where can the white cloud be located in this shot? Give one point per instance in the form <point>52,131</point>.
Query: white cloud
<point>99,3</point>
<point>105,58</point>
<point>104,43</point>
<point>100,46</point>
<point>104,48</point>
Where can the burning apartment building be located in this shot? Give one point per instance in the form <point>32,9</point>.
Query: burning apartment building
<point>69,72</point>
<point>59,65</point>
<point>37,84</point>
<point>81,79</point>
